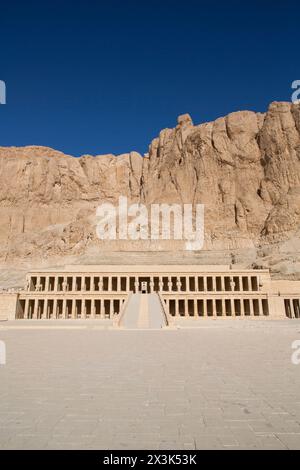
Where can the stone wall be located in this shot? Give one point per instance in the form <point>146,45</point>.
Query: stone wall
<point>8,305</point>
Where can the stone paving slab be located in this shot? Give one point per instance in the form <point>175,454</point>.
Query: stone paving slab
<point>222,386</point>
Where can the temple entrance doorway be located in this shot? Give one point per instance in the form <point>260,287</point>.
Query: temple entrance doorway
<point>144,285</point>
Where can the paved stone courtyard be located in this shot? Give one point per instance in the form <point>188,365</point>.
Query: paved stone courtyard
<point>226,385</point>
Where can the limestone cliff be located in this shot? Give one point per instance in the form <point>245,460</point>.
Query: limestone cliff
<point>244,167</point>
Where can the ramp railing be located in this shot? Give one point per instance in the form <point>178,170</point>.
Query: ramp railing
<point>168,317</point>
<point>118,319</point>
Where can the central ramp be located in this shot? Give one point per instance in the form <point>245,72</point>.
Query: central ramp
<point>143,311</point>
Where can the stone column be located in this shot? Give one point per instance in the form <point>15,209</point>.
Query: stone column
<point>293,313</point>
<point>186,308</point>
<point>259,283</point>
<point>45,313</point>
<point>83,309</point>
<point>102,313</point>
<point>176,307</point>
<point>65,284</point>
<point>26,308</point>
<point>151,284</point>
<point>74,309</point>
<point>260,307</point>
<point>64,309</point>
<point>109,283</point>
<point>251,307</point>
<point>38,281</point>
<point>195,308</point>
<point>136,284</point>
<point>111,308</point>
<point>290,307</point>
<point>232,307</point>
<point>100,284</point>
<point>205,307</point>
<point>222,283</point>
<point>223,308</point>
<point>205,283</point>
<point>160,284</point>
<point>169,284</point>
<point>56,284</point>
<point>214,307</point>
<point>213,283</point>
<point>119,283</point>
<point>47,280</point>
<point>297,309</point>
<point>35,310</point>
<point>242,307</point>
<point>54,309</point>
<point>93,313</point>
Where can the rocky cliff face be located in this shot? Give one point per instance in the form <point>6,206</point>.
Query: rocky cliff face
<point>244,167</point>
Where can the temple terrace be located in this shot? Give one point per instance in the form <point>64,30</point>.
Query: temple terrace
<point>170,292</point>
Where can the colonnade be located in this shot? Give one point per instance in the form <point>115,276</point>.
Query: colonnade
<point>206,307</point>
<point>101,294</point>
<point>292,307</point>
<point>127,283</point>
<point>59,308</point>
<point>67,307</point>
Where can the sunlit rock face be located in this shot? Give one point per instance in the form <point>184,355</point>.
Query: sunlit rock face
<point>245,169</point>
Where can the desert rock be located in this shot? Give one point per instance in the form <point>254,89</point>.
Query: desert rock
<point>244,167</point>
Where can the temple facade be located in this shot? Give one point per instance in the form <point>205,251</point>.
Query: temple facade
<point>100,292</point>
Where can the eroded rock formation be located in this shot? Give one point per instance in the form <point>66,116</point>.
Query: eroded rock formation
<point>244,167</point>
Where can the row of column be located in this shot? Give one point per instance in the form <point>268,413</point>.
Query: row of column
<point>101,308</point>
<point>50,308</point>
<point>292,308</point>
<point>218,307</point>
<point>160,283</point>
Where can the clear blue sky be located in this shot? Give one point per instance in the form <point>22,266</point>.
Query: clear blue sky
<point>99,77</point>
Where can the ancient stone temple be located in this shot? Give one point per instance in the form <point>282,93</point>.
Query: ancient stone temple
<point>185,291</point>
